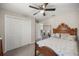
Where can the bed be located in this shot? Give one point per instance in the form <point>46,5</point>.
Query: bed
<point>63,45</point>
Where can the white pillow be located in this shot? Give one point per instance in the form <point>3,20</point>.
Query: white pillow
<point>71,37</point>
<point>56,35</point>
<point>68,37</point>
<point>64,35</point>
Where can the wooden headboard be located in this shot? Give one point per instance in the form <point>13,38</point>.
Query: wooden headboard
<point>63,28</point>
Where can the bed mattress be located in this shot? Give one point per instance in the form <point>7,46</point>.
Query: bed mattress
<point>60,46</point>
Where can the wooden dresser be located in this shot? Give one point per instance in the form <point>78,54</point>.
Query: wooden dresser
<point>1,49</point>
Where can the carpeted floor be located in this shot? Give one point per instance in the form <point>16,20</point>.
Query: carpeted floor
<point>27,50</point>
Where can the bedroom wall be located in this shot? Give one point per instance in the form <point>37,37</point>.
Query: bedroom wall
<point>69,17</point>
<point>39,27</point>
<point>2,27</point>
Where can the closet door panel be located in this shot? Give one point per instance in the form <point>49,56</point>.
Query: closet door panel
<point>12,33</point>
<point>26,32</point>
<point>17,32</point>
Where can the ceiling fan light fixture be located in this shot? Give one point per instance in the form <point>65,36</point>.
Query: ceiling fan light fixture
<point>43,6</point>
<point>42,11</point>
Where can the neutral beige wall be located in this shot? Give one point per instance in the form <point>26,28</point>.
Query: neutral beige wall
<point>2,27</point>
<point>33,30</point>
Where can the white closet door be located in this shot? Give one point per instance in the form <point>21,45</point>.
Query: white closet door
<point>26,32</point>
<point>17,32</point>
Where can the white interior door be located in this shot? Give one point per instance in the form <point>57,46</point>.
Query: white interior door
<point>17,32</point>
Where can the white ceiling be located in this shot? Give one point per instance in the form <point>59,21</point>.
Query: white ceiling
<point>23,9</point>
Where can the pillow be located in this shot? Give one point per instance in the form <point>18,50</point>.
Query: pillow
<point>71,38</point>
<point>56,35</point>
<point>66,36</point>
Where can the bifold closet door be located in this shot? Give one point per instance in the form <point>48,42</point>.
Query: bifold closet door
<point>17,32</point>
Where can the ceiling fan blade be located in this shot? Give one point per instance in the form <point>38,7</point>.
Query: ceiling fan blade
<point>36,12</point>
<point>44,14</point>
<point>34,7</point>
<point>50,9</point>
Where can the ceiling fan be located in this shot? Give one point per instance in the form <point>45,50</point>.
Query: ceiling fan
<point>42,8</point>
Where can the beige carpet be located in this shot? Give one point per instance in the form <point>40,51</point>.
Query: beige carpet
<point>27,50</point>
